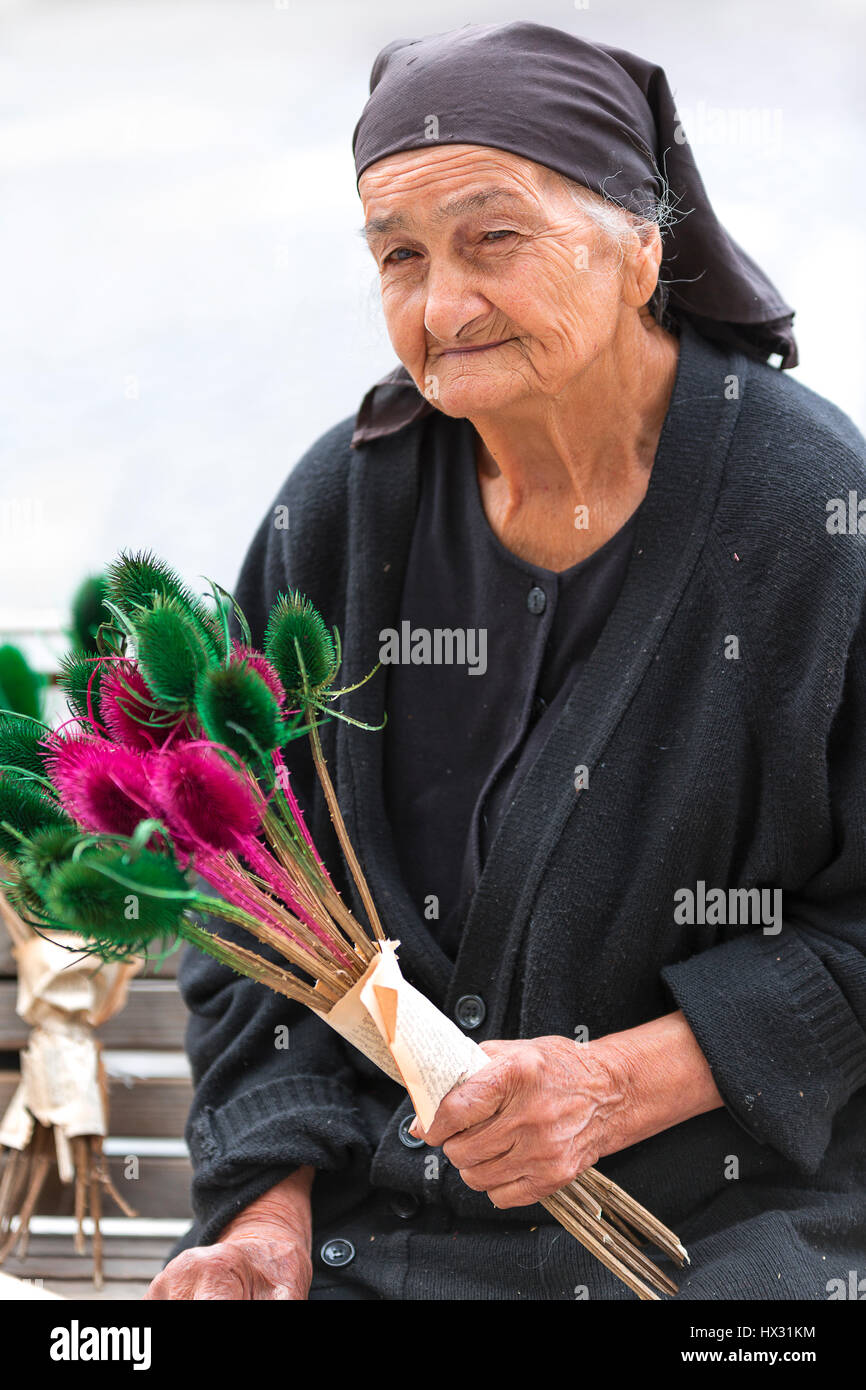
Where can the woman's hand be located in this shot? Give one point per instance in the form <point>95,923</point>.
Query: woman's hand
<point>539,1113</point>
<point>258,1267</point>
<point>543,1110</point>
<point>263,1254</point>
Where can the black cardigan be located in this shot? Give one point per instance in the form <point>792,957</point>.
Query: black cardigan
<point>745,770</point>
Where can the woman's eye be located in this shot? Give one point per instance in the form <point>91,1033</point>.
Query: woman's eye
<point>498,235</point>
<point>400,254</point>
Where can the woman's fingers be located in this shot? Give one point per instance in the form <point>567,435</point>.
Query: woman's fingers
<point>473,1101</point>
<point>235,1271</point>
<point>204,1267</point>
<point>497,1047</point>
<point>525,1158</point>
<point>481,1143</point>
<point>522,1193</point>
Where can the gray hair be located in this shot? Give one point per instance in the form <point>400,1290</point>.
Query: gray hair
<point>619,222</point>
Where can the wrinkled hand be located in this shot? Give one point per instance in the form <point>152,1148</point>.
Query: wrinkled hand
<point>256,1267</point>
<point>534,1117</point>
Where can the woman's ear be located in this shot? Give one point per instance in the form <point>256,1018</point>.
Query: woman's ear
<point>640,270</point>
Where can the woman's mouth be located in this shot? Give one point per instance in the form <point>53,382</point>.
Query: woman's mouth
<point>482,347</point>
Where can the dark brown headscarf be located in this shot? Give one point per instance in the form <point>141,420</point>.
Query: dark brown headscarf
<point>602,117</point>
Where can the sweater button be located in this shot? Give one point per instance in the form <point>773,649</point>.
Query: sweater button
<point>536,600</point>
<point>404,1205</point>
<point>337,1253</point>
<point>411,1141</point>
<point>470,1011</point>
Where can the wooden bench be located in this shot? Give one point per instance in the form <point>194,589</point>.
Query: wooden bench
<point>149,1098</point>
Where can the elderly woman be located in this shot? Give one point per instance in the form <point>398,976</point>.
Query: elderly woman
<point>616,816</point>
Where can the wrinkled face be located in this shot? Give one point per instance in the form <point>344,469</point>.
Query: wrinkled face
<point>496,286</point>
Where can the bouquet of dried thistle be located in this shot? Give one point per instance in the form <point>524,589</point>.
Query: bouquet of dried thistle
<point>171,771</point>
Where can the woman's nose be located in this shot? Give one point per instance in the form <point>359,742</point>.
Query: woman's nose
<point>452,305</point>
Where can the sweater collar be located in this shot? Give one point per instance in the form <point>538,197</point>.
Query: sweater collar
<point>390,404</point>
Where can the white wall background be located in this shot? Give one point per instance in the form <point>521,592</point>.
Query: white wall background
<point>185,303</point>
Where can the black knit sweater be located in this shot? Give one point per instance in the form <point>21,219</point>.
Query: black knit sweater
<point>722,718</point>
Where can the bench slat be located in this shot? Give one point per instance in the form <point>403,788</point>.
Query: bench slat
<point>149,1108</point>
<point>154,1018</point>
<point>161,1189</point>
<point>39,1266</point>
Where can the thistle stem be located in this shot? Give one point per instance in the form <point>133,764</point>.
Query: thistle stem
<point>248,963</point>
<point>342,833</point>
<point>320,884</point>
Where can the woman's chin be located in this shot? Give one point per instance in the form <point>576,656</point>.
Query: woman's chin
<point>468,397</point>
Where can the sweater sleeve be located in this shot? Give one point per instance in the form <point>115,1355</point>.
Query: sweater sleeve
<point>275,1088</point>
<point>781,1018</point>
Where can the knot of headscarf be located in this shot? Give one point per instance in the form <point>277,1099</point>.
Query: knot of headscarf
<point>602,117</point>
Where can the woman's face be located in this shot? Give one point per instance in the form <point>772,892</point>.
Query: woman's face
<point>496,286</point>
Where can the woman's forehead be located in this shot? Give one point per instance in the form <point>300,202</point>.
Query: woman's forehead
<point>442,168</point>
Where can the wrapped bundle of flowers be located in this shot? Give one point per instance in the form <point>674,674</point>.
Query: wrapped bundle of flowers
<point>171,772</point>
<point>58,1115</point>
<point>57,1119</point>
